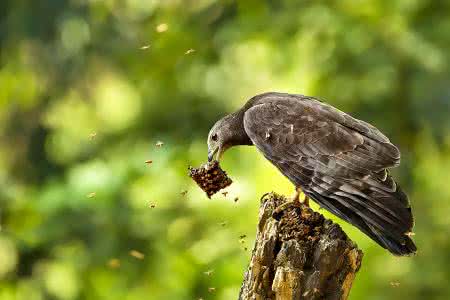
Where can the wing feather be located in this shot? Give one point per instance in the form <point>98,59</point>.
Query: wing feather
<point>338,161</point>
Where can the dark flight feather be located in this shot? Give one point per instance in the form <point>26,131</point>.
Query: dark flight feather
<point>338,161</point>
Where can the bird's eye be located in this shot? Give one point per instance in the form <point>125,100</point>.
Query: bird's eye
<point>214,137</point>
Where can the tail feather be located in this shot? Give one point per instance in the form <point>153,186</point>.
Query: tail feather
<point>378,207</point>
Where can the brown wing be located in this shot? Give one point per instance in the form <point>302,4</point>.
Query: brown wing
<point>338,161</point>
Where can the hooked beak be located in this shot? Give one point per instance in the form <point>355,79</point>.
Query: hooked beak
<point>212,152</point>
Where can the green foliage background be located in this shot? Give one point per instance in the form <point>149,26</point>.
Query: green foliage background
<point>70,68</point>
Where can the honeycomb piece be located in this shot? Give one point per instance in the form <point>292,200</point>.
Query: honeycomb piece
<point>210,177</point>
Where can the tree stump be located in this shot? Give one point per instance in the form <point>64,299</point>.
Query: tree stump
<point>298,254</point>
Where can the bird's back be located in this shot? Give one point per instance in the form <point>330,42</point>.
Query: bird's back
<point>340,162</point>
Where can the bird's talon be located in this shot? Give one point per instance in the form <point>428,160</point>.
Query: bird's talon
<point>305,201</point>
<point>277,212</point>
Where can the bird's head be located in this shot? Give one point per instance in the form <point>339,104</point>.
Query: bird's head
<point>227,132</point>
<point>219,139</point>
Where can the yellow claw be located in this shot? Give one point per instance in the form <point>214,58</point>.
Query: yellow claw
<point>300,197</point>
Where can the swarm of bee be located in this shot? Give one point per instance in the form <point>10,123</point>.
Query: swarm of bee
<point>210,177</point>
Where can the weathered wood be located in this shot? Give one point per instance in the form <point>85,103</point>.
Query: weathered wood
<point>298,254</point>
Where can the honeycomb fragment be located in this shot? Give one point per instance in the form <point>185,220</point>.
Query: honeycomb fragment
<point>210,177</point>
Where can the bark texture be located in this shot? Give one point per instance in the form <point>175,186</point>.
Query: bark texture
<point>298,254</point>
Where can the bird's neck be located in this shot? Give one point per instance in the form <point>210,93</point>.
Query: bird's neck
<point>236,123</point>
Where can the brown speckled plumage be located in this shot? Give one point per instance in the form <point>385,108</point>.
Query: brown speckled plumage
<point>338,161</point>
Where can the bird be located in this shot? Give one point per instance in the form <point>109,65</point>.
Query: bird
<point>336,160</point>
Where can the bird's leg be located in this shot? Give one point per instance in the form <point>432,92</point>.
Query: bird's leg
<point>305,201</point>
<point>277,212</point>
<point>300,197</point>
<point>294,200</point>
<point>296,196</point>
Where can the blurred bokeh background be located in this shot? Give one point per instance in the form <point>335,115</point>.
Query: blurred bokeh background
<point>89,87</point>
